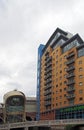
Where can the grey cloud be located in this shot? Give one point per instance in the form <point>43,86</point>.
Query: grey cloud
<point>24,24</point>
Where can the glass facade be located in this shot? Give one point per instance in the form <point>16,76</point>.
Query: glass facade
<point>74,112</point>
<point>81,52</point>
<point>70,45</point>
<point>15,108</point>
<point>38,80</point>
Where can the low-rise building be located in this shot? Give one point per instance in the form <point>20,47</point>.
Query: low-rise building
<point>30,108</point>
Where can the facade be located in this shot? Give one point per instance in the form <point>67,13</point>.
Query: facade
<point>30,108</point>
<point>14,106</point>
<point>62,77</point>
<point>38,80</point>
<point>17,107</point>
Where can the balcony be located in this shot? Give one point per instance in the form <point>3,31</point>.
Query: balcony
<point>47,53</point>
<point>70,75</point>
<point>70,68</point>
<point>47,103</point>
<point>47,70</point>
<point>70,55</point>
<point>69,97</point>
<point>71,82</point>
<point>46,57</point>
<point>47,65</point>
<point>70,89</point>
<point>47,92</point>
<point>70,61</point>
<point>47,98</point>
<point>49,59</point>
<point>49,75</point>
<point>48,86</point>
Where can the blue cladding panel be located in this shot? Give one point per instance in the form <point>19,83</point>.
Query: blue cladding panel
<point>38,80</point>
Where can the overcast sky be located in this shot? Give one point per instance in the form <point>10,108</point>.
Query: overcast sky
<point>24,24</point>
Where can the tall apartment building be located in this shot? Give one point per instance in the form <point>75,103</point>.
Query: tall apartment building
<point>61,77</point>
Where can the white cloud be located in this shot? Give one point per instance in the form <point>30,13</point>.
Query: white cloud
<point>24,24</point>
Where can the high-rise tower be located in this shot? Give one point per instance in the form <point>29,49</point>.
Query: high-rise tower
<point>61,80</point>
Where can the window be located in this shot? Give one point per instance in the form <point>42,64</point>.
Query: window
<point>56,62</point>
<point>65,89</point>
<point>60,83</point>
<point>64,95</point>
<point>60,71</point>
<point>56,104</point>
<point>80,99</point>
<point>80,76</point>
<point>80,69</point>
<point>60,90</point>
<point>80,83</point>
<point>56,85</point>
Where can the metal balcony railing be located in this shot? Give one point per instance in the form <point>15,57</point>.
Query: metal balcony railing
<point>70,55</point>
<point>72,96</point>
<point>47,98</point>
<point>70,68</point>
<point>49,75</point>
<point>47,92</point>
<point>48,86</point>
<point>70,89</point>
<point>71,82</point>
<point>48,59</point>
<point>70,75</point>
<point>47,103</point>
<point>70,61</point>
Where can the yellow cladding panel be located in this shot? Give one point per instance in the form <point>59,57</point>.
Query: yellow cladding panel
<point>59,81</point>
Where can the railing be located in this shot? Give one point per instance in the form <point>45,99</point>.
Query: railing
<point>71,82</point>
<point>70,62</point>
<point>70,68</point>
<point>70,75</point>
<point>70,89</point>
<point>70,96</point>
<point>41,123</point>
<point>70,55</point>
